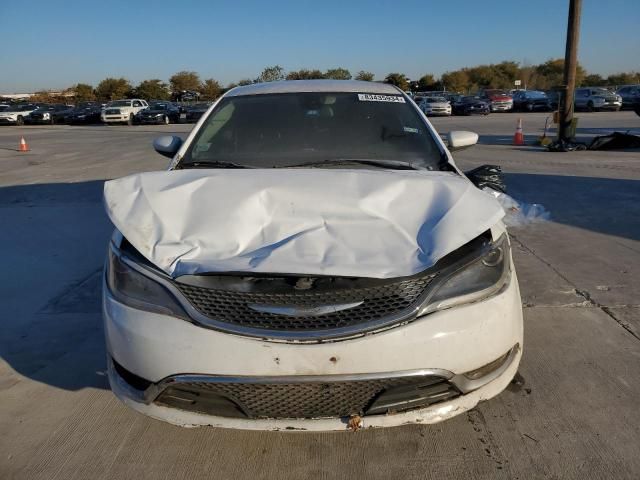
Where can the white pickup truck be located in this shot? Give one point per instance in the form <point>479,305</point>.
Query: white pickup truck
<point>122,111</point>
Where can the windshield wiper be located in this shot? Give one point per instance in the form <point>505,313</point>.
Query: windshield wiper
<point>395,164</point>
<point>213,164</point>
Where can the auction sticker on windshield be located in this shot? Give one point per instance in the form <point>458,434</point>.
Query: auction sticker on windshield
<point>371,97</point>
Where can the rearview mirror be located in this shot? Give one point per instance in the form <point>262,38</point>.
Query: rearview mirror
<point>459,139</point>
<point>167,145</point>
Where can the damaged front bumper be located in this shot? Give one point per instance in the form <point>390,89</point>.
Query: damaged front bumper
<point>175,359</point>
<point>470,395</point>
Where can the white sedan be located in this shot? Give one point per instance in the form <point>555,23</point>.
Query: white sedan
<point>435,106</point>
<point>313,259</point>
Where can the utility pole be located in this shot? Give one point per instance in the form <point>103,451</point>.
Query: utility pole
<point>570,63</point>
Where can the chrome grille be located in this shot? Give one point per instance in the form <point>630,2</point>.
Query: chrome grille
<point>296,400</point>
<point>374,302</point>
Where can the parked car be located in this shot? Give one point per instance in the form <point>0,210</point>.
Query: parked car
<point>630,95</point>
<point>594,99</point>
<point>314,259</point>
<point>84,113</point>
<point>194,112</point>
<point>453,97</point>
<point>185,96</point>
<point>17,113</point>
<point>554,98</point>
<point>122,111</point>
<point>49,114</point>
<point>471,105</point>
<point>499,100</point>
<point>531,101</point>
<point>435,106</point>
<point>158,112</point>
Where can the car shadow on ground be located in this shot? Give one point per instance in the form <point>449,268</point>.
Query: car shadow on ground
<point>59,341</point>
<point>604,205</point>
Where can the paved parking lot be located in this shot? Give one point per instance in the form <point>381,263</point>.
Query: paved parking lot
<point>571,413</point>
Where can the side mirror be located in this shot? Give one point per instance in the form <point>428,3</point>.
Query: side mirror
<point>487,176</point>
<point>459,139</point>
<point>167,145</point>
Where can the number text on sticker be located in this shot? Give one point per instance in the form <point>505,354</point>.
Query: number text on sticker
<point>371,97</point>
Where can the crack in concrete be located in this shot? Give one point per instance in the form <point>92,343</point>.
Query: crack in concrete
<point>491,449</point>
<point>588,302</point>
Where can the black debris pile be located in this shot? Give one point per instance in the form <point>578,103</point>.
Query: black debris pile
<point>615,141</point>
<point>487,176</point>
<point>566,146</point>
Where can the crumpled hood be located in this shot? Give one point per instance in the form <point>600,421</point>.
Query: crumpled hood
<point>364,223</point>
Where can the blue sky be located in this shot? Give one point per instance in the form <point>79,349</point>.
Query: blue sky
<point>56,43</point>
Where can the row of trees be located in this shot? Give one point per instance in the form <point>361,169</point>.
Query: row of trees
<point>503,75</point>
<point>468,79</point>
<point>209,89</point>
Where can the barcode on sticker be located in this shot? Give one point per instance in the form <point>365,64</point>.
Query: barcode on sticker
<point>372,97</point>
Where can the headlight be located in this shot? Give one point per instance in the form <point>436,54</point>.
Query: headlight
<point>137,290</point>
<point>474,280</point>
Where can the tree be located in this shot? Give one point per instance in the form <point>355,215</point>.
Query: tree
<point>364,76</point>
<point>245,81</point>
<point>113,89</point>
<point>624,78</point>
<point>305,74</point>
<point>426,82</point>
<point>338,74</point>
<point>154,89</point>
<point>456,81</point>
<point>184,80</point>
<point>271,74</point>
<point>551,74</point>
<point>83,92</point>
<point>210,89</point>
<point>400,80</point>
<point>593,80</point>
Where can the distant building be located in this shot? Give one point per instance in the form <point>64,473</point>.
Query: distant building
<point>16,96</point>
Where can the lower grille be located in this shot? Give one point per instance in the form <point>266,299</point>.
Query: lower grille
<point>307,399</point>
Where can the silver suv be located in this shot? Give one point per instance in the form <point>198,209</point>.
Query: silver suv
<point>594,99</point>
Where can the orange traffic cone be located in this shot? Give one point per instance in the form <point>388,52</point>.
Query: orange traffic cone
<point>518,138</point>
<point>23,147</point>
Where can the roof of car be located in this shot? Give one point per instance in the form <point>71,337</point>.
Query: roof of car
<point>296,86</point>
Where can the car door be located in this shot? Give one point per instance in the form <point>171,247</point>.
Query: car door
<point>581,98</point>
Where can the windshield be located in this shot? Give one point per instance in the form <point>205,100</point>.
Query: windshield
<point>280,130</point>
<point>120,103</point>
<point>436,100</point>
<point>158,106</point>
<point>536,94</point>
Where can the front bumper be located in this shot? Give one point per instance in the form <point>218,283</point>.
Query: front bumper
<point>501,107</point>
<point>609,106</point>
<point>158,347</point>
<point>114,118</point>
<point>149,120</point>
<point>435,413</point>
<point>438,113</point>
